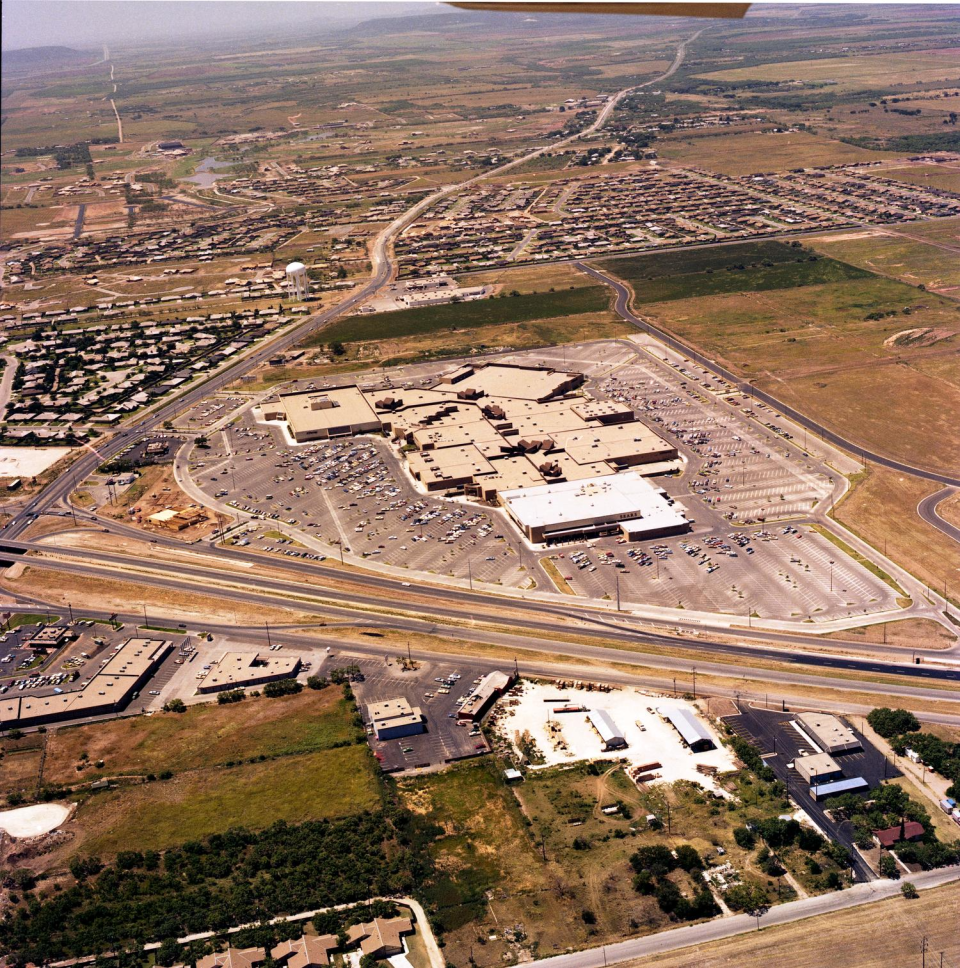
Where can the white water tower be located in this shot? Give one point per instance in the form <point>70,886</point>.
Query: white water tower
<point>297,282</point>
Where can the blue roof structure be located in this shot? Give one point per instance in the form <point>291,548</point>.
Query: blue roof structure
<point>834,787</point>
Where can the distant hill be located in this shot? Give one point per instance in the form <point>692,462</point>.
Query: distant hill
<point>44,58</point>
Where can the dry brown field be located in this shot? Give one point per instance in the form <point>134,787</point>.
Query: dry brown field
<point>882,509</point>
<point>876,935</point>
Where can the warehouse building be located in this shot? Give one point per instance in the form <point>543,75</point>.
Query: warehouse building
<point>394,718</point>
<point>615,503</point>
<point>491,687</point>
<point>110,690</point>
<point>237,670</point>
<point>833,788</point>
<point>818,768</point>
<point>610,734</point>
<point>691,730</point>
<point>829,734</point>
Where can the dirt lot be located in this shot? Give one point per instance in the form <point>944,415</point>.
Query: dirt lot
<point>911,633</point>
<point>156,490</point>
<point>838,940</point>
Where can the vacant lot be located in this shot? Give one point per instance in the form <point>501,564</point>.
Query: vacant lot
<point>944,178</point>
<point>731,269</point>
<point>838,940</point>
<point>206,735</point>
<point>331,783</point>
<point>909,260</point>
<point>18,772</point>
<point>751,152</point>
<point>834,350</point>
<point>470,315</point>
<point>882,509</point>
<point>857,72</point>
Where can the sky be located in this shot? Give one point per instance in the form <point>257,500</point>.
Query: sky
<point>92,23</point>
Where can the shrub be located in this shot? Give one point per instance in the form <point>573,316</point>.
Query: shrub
<point>892,722</point>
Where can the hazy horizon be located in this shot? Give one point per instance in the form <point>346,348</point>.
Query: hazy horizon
<point>86,24</point>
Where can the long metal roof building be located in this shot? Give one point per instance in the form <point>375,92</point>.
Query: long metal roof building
<point>691,730</point>
<point>607,729</point>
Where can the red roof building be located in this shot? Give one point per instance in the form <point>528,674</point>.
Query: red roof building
<point>911,830</point>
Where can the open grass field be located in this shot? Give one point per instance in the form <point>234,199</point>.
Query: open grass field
<point>469,315</point>
<point>816,348</point>
<point>942,177</point>
<point>946,230</point>
<point>882,509</point>
<point>839,940</point>
<point>206,735</point>
<point>314,786</point>
<point>751,267</point>
<point>909,633</point>
<point>889,253</point>
<point>753,152</point>
<point>856,72</point>
<point>18,772</point>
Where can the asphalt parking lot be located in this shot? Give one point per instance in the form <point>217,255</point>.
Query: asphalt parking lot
<point>443,741</point>
<point>781,745</point>
<point>354,494</point>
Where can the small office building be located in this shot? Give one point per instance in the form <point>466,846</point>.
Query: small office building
<point>829,733</point>
<point>394,718</point>
<point>818,768</point>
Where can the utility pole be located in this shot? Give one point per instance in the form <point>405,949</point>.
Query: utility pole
<point>470,574</point>
<point>269,643</point>
<point>694,682</point>
<point>145,622</point>
<point>71,612</point>
<point>618,591</point>
<point>924,944</point>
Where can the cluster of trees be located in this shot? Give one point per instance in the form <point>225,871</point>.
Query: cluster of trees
<point>749,755</point>
<point>223,880</point>
<point>230,696</point>
<point>902,728</point>
<point>651,866</point>
<point>282,687</point>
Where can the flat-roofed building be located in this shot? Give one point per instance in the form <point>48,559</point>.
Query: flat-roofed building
<point>321,414</point>
<point>393,718</point>
<point>829,733</point>
<point>818,768</point>
<point>696,736</point>
<point>627,503</point>
<point>109,690</point>
<point>491,687</point>
<point>611,736</point>
<point>237,670</point>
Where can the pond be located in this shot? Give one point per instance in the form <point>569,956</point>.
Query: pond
<point>205,175</point>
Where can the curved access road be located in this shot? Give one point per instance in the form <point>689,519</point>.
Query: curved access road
<point>382,268</point>
<point>927,509</point>
<point>622,306</point>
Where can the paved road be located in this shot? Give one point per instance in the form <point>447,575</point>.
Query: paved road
<point>383,267</point>
<point>622,306</point>
<point>699,934</point>
<point>927,509</point>
<point>447,615</point>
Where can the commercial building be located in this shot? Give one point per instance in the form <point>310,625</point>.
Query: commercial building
<point>818,768</point>
<point>610,734</point>
<point>319,415</point>
<point>125,672</point>
<point>491,687</point>
<point>237,670</point>
<point>308,951</point>
<point>627,503</point>
<point>394,718</point>
<point>50,637</point>
<point>177,519</point>
<point>489,430</point>
<point>380,938</point>
<point>828,733</point>
<point>833,788</point>
<point>691,730</point>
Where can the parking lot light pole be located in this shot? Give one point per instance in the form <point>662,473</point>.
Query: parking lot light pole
<point>618,591</point>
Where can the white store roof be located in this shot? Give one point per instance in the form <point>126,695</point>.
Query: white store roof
<point>623,496</point>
